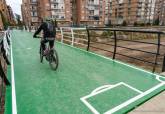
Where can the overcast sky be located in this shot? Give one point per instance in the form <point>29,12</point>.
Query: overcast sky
<point>16,5</point>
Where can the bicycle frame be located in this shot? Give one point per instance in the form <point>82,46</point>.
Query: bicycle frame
<point>51,55</point>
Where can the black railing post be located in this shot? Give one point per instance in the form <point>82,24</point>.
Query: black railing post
<point>157,53</point>
<point>115,45</point>
<point>163,66</point>
<point>88,34</point>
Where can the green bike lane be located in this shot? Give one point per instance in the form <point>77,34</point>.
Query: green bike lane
<point>84,83</point>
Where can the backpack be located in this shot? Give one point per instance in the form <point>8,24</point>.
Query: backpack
<point>50,27</point>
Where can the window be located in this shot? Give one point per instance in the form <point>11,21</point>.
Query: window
<point>34,14</point>
<point>55,6</point>
<point>33,7</point>
<point>129,2</point>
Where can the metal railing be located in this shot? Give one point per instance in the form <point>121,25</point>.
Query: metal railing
<point>116,39</point>
<point>68,34</point>
<point>73,36</point>
<point>4,60</point>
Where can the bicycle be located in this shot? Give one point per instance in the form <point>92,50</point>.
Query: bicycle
<point>51,56</point>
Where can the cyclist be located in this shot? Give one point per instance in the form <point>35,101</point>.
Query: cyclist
<point>49,33</point>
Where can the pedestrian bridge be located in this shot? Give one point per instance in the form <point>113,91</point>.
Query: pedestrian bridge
<point>84,83</point>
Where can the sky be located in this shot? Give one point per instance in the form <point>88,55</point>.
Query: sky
<point>15,5</point>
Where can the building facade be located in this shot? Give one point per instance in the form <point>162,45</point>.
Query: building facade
<point>1,23</point>
<point>129,11</point>
<point>35,11</point>
<point>149,9</point>
<point>65,11</point>
<point>30,12</point>
<point>159,11</point>
<point>4,14</point>
<point>93,12</point>
<point>88,12</point>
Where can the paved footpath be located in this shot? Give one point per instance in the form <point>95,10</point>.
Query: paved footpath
<point>85,83</point>
<point>153,106</point>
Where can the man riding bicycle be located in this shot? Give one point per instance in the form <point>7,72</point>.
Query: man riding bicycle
<point>49,33</point>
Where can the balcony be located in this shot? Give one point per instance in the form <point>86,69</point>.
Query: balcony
<point>54,1</point>
<point>91,8</point>
<point>33,2</point>
<point>92,4</point>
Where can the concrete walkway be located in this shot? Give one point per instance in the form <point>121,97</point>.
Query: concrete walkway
<point>154,106</point>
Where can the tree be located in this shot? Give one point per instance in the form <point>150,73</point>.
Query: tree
<point>124,23</point>
<point>135,24</point>
<point>156,22</point>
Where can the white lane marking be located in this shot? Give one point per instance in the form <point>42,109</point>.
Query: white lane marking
<point>132,88</point>
<point>89,106</point>
<point>29,48</point>
<point>14,104</point>
<point>158,78</point>
<point>95,92</point>
<point>134,99</point>
<point>101,90</point>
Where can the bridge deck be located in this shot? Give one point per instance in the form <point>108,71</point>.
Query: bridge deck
<point>84,83</point>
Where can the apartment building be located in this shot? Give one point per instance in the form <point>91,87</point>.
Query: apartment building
<point>89,12</point>
<point>160,12</point>
<point>30,12</point>
<point>93,12</point>
<point>65,11</point>
<point>34,11</point>
<point>24,12</point>
<point>129,11</point>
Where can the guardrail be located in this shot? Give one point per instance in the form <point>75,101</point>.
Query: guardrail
<point>4,60</point>
<point>69,33</point>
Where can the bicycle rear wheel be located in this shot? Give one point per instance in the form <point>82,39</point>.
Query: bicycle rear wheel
<point>53,61</point>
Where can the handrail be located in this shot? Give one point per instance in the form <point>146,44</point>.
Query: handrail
<point>116,39</point>
<point>69,32</point>
<point>115,45</point>
<point>4,52</point>
<point>128,30</point>
<point>128,48</point>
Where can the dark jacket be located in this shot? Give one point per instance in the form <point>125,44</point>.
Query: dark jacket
<point>46,33</point>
